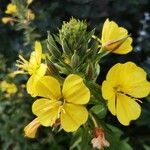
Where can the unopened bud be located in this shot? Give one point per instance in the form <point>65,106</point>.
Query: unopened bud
<point>113,45</point>
<point>52,70</point>
<point>75,60</point>
<point>89,71</point>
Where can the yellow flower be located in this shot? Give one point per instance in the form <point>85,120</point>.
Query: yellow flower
<point>4,85</point>
<point>6,20</point>
<point>31,129</point>
<point>10,88</point>
<point>115,39</point>
<point>66,104</point>
<point>11,8</point>
<point>124,85</point>
<point>34,67</point>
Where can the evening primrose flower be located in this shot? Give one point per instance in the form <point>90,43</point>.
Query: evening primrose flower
<point>11,8</point>
<point>9,88</point>
<point>124,85</point>
<point>115,39</point>
<point>66,104</point>
<point>34,67</point>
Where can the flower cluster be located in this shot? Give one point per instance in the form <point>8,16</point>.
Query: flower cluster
<point>65,80</point>
<point>14,10</point>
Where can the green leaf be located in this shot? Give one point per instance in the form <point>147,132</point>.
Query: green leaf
<point>113,135</point>
<point>146,147</point>
<point>52,47</point>
<point>99,110</point>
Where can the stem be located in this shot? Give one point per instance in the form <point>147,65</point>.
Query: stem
<point>94,120</point>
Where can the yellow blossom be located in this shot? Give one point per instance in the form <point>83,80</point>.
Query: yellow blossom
<point>124,85</point>
<point>11,8</point>
<point>115,39</point>
<point>9,88</point>
<point>31,129</point>
<point>12,88</point>
<point>6,20</point>
<point>34,67</point>
<point>66,105</point>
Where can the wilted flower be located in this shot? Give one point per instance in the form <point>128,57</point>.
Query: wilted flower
<point>6,20</point>
<point>11,8</point>
<point>66,104</point>
<point>115,39</point>
<point>124,85</point>
<point>30,15</point>
<point>31,129</point>
<point>99,140</point>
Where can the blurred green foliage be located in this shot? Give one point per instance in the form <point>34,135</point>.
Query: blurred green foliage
<point>15,112</point>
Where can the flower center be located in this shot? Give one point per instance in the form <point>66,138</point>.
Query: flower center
<point>118,89</point>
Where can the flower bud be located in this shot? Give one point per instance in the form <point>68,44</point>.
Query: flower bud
<point>75,60</point>
<point>52,70</point>
<point>113,45</point>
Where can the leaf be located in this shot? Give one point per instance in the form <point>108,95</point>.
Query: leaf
<point>99,110</point>
<point>146,147</point>
<point>113,135</point>
<point>52,47</point>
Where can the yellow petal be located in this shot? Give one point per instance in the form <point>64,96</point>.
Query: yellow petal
<point>107,90</point>
<point>32,82</point>
<point>125,47</point>
<point>134,80</point>
<point>48,87</point>
<point>38,51</point>
<point>75,91</point>
<point>31,85</point>
<point>127,109</point>
<point>73,116</point>
<point>105,29</point>
<point>112,105</point>
<point>36,56</point>
<point>46,110</point>
<point>130,79</point>
<point>41,70</point>
<point>108,93</point>
<point>114,75</point>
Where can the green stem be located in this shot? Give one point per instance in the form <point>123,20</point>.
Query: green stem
<point>94,120</point>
